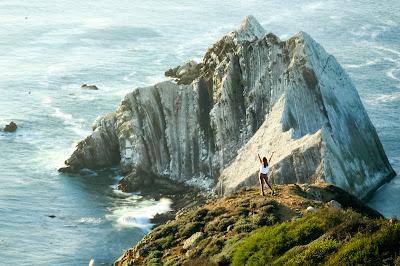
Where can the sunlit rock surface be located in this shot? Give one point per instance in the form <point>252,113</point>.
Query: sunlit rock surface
<point>252,93</point>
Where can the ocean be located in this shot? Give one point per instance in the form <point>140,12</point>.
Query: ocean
<point>49,48</point>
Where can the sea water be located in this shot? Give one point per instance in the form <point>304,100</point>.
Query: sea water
<point>49,48</point>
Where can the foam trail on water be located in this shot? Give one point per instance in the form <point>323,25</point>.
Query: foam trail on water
<point>68,119</point>
<point>368,63</point>
<point>139,217</point>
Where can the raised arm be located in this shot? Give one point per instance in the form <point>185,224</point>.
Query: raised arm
<point>259,158</point>
<point>271,157</point>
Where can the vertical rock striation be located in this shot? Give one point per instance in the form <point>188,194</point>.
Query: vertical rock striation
<point>251,93</point>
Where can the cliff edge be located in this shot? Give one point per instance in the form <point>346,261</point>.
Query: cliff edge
<point>316,224</point>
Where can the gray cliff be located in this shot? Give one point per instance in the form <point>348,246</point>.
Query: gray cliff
<point>252,93</point>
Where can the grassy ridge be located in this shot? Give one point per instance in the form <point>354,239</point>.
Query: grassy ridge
<point>249,229</point>
<point>328,237</point>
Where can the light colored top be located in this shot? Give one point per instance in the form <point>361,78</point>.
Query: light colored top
<point>263,170</point>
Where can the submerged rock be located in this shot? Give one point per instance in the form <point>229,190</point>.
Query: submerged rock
<point>252,93</point>
<point>89,87</point>
<point>12,127</point>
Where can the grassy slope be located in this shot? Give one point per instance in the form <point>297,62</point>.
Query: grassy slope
<point>248,229</point>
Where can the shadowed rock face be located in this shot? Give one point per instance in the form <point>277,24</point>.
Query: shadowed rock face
<point>98,150</point>
<point>251,93</point>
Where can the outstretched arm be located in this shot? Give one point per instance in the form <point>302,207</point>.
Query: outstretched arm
<point>259,158</point>
<point>271,157</point>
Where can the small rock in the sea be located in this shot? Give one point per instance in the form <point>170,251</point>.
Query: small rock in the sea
<point>12,127</point>
<point>52,216</point>
<point>191,241</point>
<point>89,87</point>
<point>310,209</point>
<point>334,204</point>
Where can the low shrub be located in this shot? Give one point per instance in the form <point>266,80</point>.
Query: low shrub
<point>224,223</point>
<point>266,244</point>
<point>328,237</point>
<point>190,228</point>
<point>154,258</point>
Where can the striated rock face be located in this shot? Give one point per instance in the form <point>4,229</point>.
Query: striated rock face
<point>251,93</point>
<point>98,150</point>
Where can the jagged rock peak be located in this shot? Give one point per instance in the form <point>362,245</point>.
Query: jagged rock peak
<point>250,29</point>
<point>251,93</point>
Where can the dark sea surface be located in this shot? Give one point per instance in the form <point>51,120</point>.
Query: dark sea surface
<point>49,48</point>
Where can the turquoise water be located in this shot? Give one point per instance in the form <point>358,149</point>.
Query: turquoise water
<point>49,48</point>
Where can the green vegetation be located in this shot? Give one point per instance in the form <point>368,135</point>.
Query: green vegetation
<point>248,229</point>
<point>328,237</point>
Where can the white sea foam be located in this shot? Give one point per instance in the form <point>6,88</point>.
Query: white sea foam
<point>367,63</point>
<point>140,216</point>
<point>315,6</point>
<point>69,120</point>
<point>129,196</point>
<point>374,99</point>
<point>393,56</point>
<point>391,73</point>
<point>383,48</point>
<point>90,220</point>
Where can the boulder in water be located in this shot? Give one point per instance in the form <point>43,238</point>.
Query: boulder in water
<point>12,127</point>
<point>89,87</point>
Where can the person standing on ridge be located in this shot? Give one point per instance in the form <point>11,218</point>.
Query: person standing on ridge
<point>264,173</point>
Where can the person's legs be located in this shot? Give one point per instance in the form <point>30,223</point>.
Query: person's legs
<point>260,177</point>
<point>266,181</point>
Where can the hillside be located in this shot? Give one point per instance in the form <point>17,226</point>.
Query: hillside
<point>248,229</point>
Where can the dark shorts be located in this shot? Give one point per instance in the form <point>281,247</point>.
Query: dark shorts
<point>264,176</point>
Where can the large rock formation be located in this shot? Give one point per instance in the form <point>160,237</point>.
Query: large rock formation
<point>251,93</point>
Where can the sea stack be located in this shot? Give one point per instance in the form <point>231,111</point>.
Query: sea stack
<point>252,93</point>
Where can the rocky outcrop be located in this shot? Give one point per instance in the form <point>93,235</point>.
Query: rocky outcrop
<point>89,87</point>
<point>317,125</point>
<point>184,74</point>
<point>251,93</point>
<point>98,150</point>
<point>12,127</point>
<point>210,233</point>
